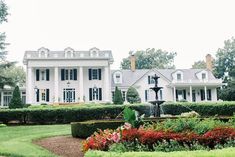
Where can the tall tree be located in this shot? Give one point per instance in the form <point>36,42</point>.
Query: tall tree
<point>4,80</point>
<point>199,65</point>
<point>151,58</point>
<point>16,99</point>
<point>225,60</point>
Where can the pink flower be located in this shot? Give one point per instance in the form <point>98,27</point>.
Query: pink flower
<point>127,126</point>
<point>116,137</point>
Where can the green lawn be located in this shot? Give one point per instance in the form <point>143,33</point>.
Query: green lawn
<point>16,141</point>
<point>226,152</point>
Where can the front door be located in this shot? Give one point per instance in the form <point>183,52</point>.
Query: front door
<point>69,95</point>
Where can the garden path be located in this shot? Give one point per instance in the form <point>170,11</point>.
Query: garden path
<point>65,146</point>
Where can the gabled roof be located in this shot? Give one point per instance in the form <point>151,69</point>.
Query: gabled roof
<point>130,78</point>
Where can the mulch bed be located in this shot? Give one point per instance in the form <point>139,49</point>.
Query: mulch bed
<point>65,146</point>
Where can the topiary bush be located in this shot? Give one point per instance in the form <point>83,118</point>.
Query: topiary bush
<point>132,95</point>
<point>117,99</point>
<point>16,99</point>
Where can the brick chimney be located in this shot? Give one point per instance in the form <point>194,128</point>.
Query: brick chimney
<point>209,60</point>
<point>133,60</point>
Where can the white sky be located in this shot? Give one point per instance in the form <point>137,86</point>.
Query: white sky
<point>192,28</point>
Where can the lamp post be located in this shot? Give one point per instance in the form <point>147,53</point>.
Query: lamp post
<point>36,92</point>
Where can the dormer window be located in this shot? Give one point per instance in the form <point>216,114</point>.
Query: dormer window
<point>69,52</point>
<point>203,76</point>
<point>43,52</point>
<point>179,77</point>
<point>117,77</point>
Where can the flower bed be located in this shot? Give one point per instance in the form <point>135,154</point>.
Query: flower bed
<point>161,137</point>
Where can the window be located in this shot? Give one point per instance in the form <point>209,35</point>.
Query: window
<point>151,80</point>
<point>179,77</point>
<point>202,94</point>
<point>7,98</point>
<point>117,77</point>
<point>42,74</point>
<point>42,95</point>
<point>203,76</point>
<point>124,95</point>
<point>208,94</point>
<point>146,95</point>
<point>23,97</point>
<point>95,94</point>
<point>68,74</point>
<point>94,74</point>
<point>180,95</point>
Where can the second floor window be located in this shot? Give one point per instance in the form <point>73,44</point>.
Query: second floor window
<point>203,76</point>
<point>150,80</point>
<point>42,75</point>
<point>94,74</point>
<point>68,74</point>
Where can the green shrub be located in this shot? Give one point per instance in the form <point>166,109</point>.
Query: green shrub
<point>16,99</point>
<point>117,96</point>
<point>202,108</point>
<point>85,129</point>
<point>61,115</point>
<point>3,125</point>
<point>132,95</point>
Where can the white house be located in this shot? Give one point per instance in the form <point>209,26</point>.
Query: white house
<point>70,76</point>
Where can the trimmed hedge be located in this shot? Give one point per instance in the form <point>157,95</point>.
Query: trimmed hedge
<point>85,129</point>
<point>64,115</point>
<point>203,108</point>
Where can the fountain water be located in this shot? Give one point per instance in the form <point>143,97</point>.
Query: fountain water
<point>156,102</point>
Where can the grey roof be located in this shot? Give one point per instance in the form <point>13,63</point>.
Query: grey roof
<point>129,77</point>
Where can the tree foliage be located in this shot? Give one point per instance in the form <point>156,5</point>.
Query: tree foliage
<point>228,92</point>
<point>132,95</point>
<point>4,80</point>
<point>225,59</point>
<point>151,58</point>
<point>16,99</point>
<point>117,96</point>
<point>199,65</point>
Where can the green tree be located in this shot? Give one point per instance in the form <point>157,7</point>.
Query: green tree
<point>132,95</point>
<point>228,92</point>
<point>225,59</point>
<point>16,99</point>
<point>151,58</point>
<point>4,80</point>
<point>16,74</point>
<point>199,65</point>
<point>117,99</point>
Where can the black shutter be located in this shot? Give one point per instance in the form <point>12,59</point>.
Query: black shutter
<point>90,94</point>
<point>146,95</point>
<point>176,93</point>
<point>62,74</point>
<point>47,74</point>
<point>184,94</point>
<point>37,74</point>
<point>89,73</point>
<point>37,95</point>
<point>75,74</point>
<point>99,73</point>
<point>149,79</point>
<point>100,93</point>
<point>47,95</point>
<point>209,94</point>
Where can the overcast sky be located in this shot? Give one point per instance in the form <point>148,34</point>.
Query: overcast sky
<point>192,28</point>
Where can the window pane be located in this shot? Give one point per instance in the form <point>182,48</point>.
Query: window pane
<point>94,74</point>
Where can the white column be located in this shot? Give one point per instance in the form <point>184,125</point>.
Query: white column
<point>1,98</point>
<point>81,88</point>
<point>56,85</point>
<point>30,93</point>
<point>205,91</point>
<point>191,94</point>
<point>174,94</point>
<point>107,84</point>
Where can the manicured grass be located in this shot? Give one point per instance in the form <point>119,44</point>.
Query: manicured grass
<point>226,152</point>
<point>16,141</point>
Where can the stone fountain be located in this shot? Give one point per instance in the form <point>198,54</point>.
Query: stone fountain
<point>156,102</point>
